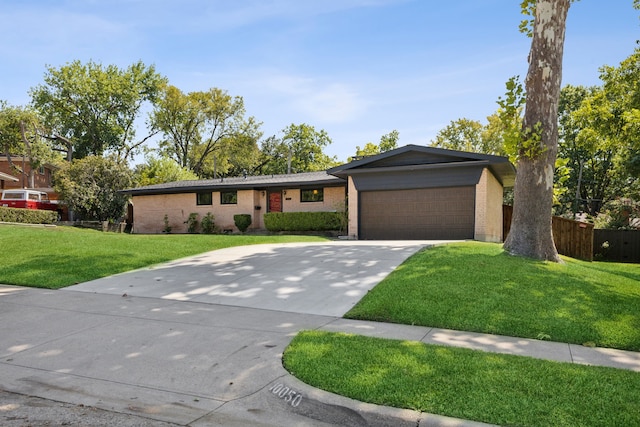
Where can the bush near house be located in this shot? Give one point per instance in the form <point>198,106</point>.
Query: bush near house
<point>28,216</point>
<point>242,221</point>
<point>208,223</point>
<point>302,221</point>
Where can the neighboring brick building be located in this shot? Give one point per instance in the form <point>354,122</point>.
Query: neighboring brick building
<point>42,177</point>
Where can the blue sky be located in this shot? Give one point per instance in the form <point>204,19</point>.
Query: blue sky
<point>355,68</point>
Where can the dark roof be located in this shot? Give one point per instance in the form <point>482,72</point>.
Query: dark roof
<point>422,157</point>
<point>258,182</point>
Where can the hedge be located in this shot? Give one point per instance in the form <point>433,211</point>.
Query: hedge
<point>302,221</point>
<point>27,216</point>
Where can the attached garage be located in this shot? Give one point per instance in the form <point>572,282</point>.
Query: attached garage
<point>426,193</point>
<point>423,214</point>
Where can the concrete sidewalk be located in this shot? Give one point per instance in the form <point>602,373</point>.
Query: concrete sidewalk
<point>198,364</point>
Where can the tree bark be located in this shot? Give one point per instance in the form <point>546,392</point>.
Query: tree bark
<point>531,233</point>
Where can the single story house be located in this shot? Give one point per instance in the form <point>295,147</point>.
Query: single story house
<point>413,192</point>
<point>226,197</point>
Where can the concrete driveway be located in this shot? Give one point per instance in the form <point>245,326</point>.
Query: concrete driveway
<point>326,278</point>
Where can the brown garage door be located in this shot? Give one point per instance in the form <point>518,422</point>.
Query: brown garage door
<point>430,213</point>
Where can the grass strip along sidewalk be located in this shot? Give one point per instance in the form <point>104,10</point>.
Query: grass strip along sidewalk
<point>461,383</point>
<point>62,256</point>
<point>477,287</point>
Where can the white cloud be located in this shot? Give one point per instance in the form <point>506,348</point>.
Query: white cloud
<point>325,102</point>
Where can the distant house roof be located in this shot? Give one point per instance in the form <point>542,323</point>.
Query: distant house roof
<point>415,157</point>
<point>258,182</point>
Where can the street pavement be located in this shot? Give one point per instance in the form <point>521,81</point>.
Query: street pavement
<point>199,341</point>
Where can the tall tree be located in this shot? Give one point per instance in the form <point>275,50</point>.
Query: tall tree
<point>21,133</point>
<point>388,142</point>
<point>93,109</point>
<point>205,131</point>
<point>531,233</point>
<point>591,142</point>
<point>91,187</point>
<point>159,170</point>
<point>301,149</point>
<point>622,86</point>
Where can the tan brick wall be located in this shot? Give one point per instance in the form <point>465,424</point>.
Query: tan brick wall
<point>488,217</point>
<point>353,209</point>
<point>333,200</point>
<point>149,211</point>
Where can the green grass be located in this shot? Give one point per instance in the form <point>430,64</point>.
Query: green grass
<point>62,256</point>
<point>477,287</point>
<point>461,383</point>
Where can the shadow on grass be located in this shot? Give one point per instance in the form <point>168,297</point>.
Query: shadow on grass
<point>59,271</point>
<point>476,287</point>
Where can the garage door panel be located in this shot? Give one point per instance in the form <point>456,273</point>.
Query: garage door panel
<point>430,213</point>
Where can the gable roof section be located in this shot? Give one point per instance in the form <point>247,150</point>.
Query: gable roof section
<point>259,182</point>
<point>417,157</point>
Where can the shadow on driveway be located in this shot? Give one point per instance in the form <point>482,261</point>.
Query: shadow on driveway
<point>313,278</point>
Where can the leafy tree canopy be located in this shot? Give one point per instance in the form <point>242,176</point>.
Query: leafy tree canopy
<point>472,136</point>
<point>159,170</point>
<point>388,142</point>
<point>21,133</point>
<point>90,186</point>
<point>206,132</point>
<point>301,149</point>
<point>92,109</point>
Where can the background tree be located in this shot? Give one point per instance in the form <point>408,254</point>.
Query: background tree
<point>622,88</point>
<point>204,131</point>
<point>21,133</point>
<point>301,149</point>
<point>93,109</point>
<point>531,233</point>
<point>388,142</point>
<point>159,170</point>
<point>591,145</point>
<point>90,186</point>
<point>472,136</point>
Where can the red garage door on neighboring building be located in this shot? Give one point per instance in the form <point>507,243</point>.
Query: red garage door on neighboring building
<point>418,214</point>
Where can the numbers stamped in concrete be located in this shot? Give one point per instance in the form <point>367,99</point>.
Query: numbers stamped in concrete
<point>292,397</point>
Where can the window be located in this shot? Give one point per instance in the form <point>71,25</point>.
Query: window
<point>203,199</point>
<point>228,197</point>
<point>312,195</point>
<point>41,170</point>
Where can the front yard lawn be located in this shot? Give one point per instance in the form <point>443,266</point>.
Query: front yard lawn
<point>62,256</point>
<point>477,287</point>
<point>473,385</point>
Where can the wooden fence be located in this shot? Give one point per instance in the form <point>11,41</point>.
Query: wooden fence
<point>617,245</point>
<point>572,238</point>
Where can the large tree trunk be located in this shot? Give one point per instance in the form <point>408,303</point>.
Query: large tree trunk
<point>531,233</point>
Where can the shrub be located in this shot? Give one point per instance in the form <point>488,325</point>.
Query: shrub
<point>242,221</point>
<point>192,223</point>
<point>303,221</point>
<point>208,223</point>
<point>27,216</point>
<point>167,227</point>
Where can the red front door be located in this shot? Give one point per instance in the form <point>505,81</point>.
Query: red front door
<point>275,201</point>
